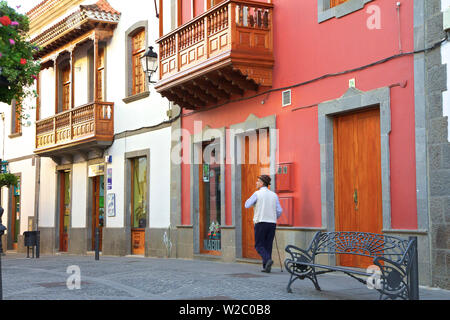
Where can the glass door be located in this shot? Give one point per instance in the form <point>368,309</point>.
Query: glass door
<point>210,201</point>
<point>15,225</point>
<point>139,198</point>
<point>98,209</point>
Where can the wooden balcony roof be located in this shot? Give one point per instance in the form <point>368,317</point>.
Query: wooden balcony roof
<point>226,51</point>
<point>88,17</point>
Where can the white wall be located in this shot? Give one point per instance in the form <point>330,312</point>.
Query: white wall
<point>79,195</point>
<point>445,52</point>
<point>27,194</point>
<point>47,194</point>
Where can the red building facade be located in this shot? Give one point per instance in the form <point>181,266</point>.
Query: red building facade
<point>322,95</point>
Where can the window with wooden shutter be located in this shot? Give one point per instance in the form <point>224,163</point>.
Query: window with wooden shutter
<point>16,123</point>
<point>101,74</point>
<point>65,72</point>
<point>137,50</point>
<point>334,3</point>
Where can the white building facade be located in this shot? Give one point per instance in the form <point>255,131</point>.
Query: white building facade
<point>95,155</point>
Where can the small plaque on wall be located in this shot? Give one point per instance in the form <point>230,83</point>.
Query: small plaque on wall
<point>111,209</point>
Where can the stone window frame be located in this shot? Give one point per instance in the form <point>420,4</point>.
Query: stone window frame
<point>197,140</point>
<point>237,133</point>
<point>129,97</point>
<point>324,12</point>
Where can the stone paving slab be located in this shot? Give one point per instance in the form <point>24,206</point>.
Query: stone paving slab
<point>133,278</point>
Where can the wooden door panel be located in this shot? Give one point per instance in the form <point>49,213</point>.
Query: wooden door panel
<point>357,165</point>
<point>138,242</point>
<point>256,152</point>
<point>345,182</point>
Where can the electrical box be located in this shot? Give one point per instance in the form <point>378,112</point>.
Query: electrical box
<point>286,219</point>
<point>284,177</point>
<point>447,19</point>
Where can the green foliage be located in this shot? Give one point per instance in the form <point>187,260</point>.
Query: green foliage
<point>17,66</point>
<point>7,180</point>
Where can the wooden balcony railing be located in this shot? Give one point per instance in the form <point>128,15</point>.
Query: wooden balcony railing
<point>85,124</point>
<point>236,33</point>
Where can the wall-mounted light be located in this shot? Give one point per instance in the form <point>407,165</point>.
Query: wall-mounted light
<point>149,62</point>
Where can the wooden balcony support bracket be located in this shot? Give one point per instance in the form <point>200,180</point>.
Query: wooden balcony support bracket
<point>169,94</point>
<point>237,78</point>
<point>198,93</point>
<point>210,89</point>
<point>222,83</point>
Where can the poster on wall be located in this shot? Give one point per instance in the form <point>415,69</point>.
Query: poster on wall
<point>111,209</point>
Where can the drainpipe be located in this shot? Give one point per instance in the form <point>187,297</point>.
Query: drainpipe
<point>37,190</point>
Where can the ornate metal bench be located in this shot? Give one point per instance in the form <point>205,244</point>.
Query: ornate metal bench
<point>396,259</point>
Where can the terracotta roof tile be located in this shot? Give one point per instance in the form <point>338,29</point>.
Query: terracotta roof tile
<point>101,5</point>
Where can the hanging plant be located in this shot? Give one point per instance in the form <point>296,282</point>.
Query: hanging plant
<point>18,69</point>
<point>7,180</point>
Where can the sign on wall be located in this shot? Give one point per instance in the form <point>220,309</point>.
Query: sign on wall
<point>96,170</point>
<point>111,209</point>
<point>109,179</point>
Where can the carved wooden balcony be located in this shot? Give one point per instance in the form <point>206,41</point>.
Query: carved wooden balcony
<point>77,131</point>
<point>226,51</point>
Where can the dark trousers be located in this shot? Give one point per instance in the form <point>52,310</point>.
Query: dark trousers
<point>264,234</point>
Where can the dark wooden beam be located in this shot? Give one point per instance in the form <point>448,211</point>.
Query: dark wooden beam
<point>210,89</point>
<point>199,93</point>
<point>187,97</point>
<point>224,84</point>
<point>238,79</point>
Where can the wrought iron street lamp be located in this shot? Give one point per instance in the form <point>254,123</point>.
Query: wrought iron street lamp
<point>149,62</point>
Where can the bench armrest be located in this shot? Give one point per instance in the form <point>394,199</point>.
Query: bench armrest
<point>295,252</point>
<point>394,278</point>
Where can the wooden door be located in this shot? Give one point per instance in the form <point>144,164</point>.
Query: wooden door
<point>64,211</point>
<point>357,169</point>
<point>256,155</point>
<point>97,209</point>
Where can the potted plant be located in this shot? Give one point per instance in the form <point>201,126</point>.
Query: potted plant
<point>18,69</point>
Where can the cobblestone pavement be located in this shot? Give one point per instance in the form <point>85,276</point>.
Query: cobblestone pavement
<point>136,278</point>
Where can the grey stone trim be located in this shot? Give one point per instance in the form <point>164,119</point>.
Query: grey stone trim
<point>434,141</point>
<point>127,175</point>
<point>353,100</point>
<point>324,12</point>
<point>68,167</point>
<point>197,140</point>
<point>136,97</point>
<point>128,63</point>
<point>175,173</point>
<point>78,243</point>
<point>237,133</point>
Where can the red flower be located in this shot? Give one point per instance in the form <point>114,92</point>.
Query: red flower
<point>5,20</point>
<point>23,61</point>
